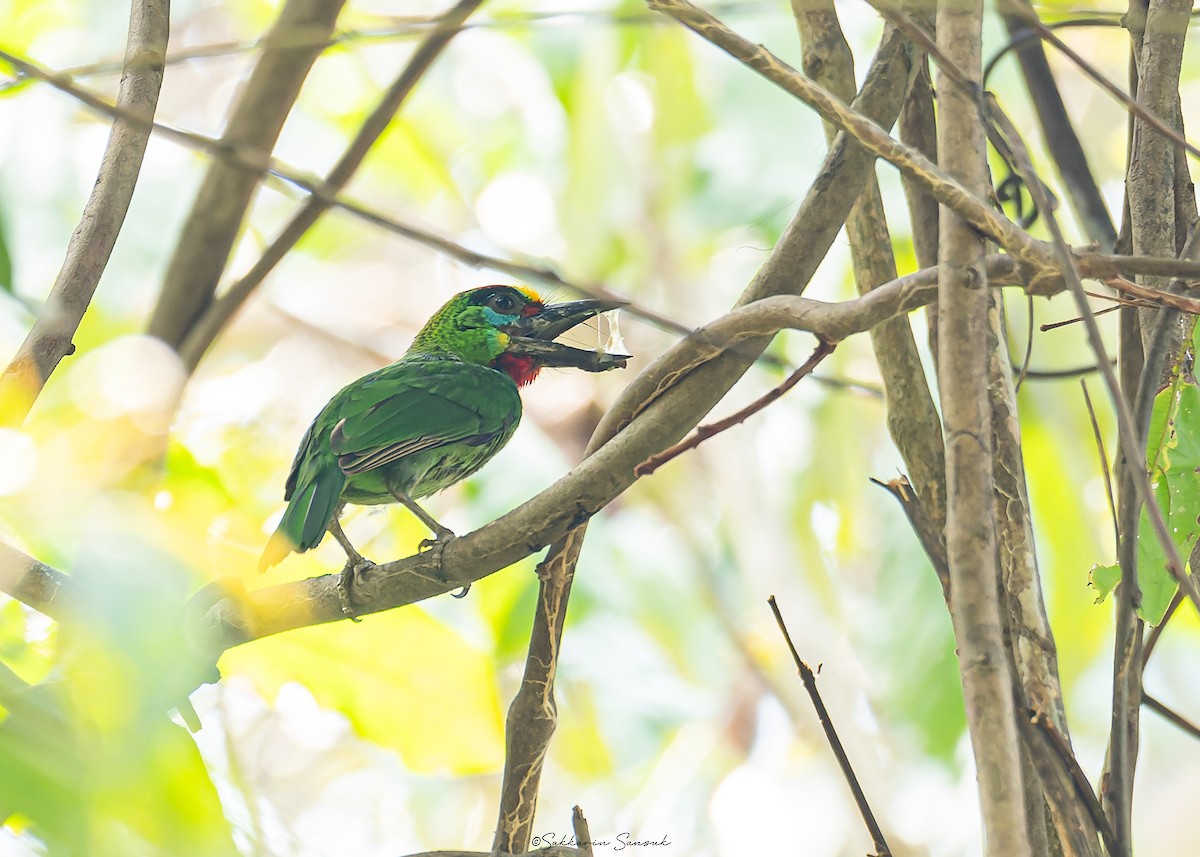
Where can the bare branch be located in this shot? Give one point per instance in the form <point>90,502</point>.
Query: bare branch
<point>945,188</point>
<point>703,433</point>
<point>94,238</point>
<point>912,419</point>
<point>810,684</point>
<point>1170,715</point>
<point>208,235</point>
<point>221,310</point>
<point>963,305</point>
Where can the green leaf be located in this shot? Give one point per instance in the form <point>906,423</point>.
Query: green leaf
<point>1173,455</point>
<point>6,266</point>
<point>1104,579</point>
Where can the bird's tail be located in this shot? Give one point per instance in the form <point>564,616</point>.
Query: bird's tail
<point>308,515</point>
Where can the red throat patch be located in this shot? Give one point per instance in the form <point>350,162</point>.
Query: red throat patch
<point>521,368</point>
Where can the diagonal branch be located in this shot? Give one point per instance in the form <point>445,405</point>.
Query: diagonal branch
<point>208,235</point>
<point>944,188</point>
<point>1057,131</point>
<point>244,161</point>
<point>218,314</point>
<point>92,243</point>
<point>810,684</point>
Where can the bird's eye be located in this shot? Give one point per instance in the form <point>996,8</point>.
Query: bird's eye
<point>504,304</point>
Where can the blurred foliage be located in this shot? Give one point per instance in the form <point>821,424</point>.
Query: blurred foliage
<point>1173,457</point>
<point>625,152</point>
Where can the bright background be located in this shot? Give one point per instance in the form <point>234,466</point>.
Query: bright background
<point>621,149</point>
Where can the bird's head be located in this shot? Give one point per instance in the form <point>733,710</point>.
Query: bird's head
<point>512,329</point>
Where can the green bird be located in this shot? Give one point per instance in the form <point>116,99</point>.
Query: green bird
<point>430,419</point>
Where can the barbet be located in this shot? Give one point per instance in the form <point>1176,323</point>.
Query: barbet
<point>430,419</point>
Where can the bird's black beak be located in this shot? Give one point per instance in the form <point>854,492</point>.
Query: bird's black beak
<point>533,336</point>
<point>552,321</point>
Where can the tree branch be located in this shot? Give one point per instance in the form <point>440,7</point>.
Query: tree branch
<point>92,243</point>
<point>912,419</point>
<point>1057,131</point>
<point>810,684</point>
<point>945,188</point>
<point>218,314</point>
<point>208,235</point>
<point>963,304</point>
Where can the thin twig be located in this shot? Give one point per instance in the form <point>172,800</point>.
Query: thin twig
<point>932,538</point>
<point>1104,466</point>
<point>704,432</point>
<point>1055,325</point>
<point>218,314</point>
<point>1170,715</point>
<point>1157,631</point>
<point>583,836</point>
<point>835,744</point>
<point>1156,297</point>
<point>1062,750</point>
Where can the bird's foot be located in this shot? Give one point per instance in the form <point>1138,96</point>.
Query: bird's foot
<point>438,544</point>
<point>355,567</point>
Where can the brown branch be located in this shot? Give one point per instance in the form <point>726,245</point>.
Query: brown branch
<point>88,251</point>
<point>207,237</point>
<point>681,375</point>
<point>1157,631</point>
<point>533,715</point>
<point>218,314</point>
<point>945,188</point>
<point>31,582</point>
<point>1061,748</point>
<point>236,158</point>
<point>963,306</point>
<point>835,743</point>
<point>912,418</point>
<point>704,432</point>
<point>1170,715</point>
<point>579,826</point>
<point>1057,131</point>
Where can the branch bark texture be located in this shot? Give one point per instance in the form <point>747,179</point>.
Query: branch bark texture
<point>963,302</point>
<point>88,251</point>
<point>299,36</point>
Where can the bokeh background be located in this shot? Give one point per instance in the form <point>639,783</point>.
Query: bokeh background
<point>612,145</point>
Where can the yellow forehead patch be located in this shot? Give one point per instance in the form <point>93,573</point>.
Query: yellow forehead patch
<point>529,293</point>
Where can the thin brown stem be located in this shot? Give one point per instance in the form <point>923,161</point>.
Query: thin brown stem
<point>835,743</point>
<point>704,432</point>
<point>1170,715</point>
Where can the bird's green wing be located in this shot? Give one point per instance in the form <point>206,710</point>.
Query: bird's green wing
<point>410,407</point>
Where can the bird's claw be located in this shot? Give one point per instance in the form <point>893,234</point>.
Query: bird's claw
<point>443,538</point>
<point>354,567</point>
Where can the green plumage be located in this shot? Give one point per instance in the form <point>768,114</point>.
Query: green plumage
<point>415,427</point>
<point>433,417</point>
